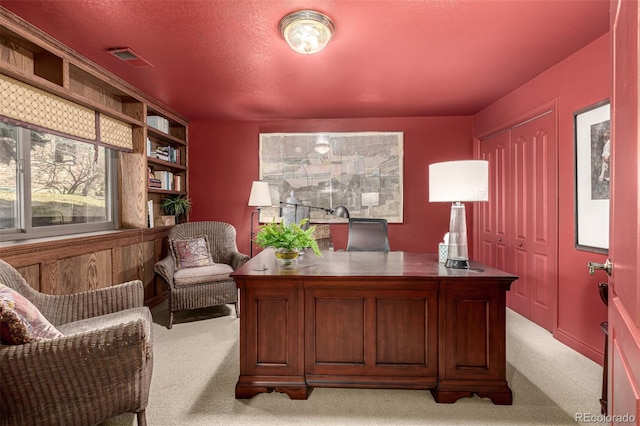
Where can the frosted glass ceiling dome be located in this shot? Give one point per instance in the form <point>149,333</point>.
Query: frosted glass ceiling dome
<point>307,31</point>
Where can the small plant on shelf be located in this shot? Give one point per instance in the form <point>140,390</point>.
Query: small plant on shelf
<point>290,238</point>
<point>177,206</point>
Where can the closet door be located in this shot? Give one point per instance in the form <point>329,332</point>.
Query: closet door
<point>533,219</point>
<point>494,215</point>
<point>518,226</point>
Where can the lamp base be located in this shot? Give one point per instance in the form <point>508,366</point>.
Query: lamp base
<point>457,264</point>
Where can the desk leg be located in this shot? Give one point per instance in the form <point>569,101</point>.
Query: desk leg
<point>501,395</point>
<point>271,351</point>
<point>472,343</point>
<point>250,386</point>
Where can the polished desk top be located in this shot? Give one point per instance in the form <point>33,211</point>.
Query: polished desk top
<point>364,264</point>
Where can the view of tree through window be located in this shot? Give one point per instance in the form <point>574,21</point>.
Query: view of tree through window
<point>8,176</point>
<point>66,180</point>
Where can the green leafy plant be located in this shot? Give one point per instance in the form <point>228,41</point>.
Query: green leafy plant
<point>291,237</point>
<point>176,206</point>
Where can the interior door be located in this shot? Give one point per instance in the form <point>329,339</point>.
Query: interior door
<point>535,217</point>
<point>493,216</point>
<point>518,226</point>
<point>624,238</point>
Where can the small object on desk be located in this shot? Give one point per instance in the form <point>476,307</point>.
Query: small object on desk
<point>443,249</point>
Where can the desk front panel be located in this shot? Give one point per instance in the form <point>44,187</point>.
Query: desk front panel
<point>358,336</point>
<point>372,320</point>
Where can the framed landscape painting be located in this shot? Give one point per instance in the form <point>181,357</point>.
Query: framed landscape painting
<point>593,172</point>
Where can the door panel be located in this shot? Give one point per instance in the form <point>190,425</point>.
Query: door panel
<point>518,231</point>
<point>624,239</point>
<point>541,246</point>
<point>493,216</point>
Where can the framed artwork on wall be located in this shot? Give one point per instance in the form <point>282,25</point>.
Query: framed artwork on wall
<point>362,171</point>
<point>592,177</point>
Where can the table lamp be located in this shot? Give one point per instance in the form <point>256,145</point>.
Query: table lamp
<point>259,197</point>
<point>370,199</point>
<point>456,182</point>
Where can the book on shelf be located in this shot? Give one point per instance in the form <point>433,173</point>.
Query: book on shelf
<point>166,153</point>
<point>155,183</point>
<point>150,213</point>
<point>158,123</point>
<point>165,178</point>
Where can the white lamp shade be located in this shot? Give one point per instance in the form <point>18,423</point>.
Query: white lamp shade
<point>466,180</point>
<point>260,195</point>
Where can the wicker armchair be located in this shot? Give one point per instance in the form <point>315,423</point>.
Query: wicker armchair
<point>100,367</point>
<point>207,290</point>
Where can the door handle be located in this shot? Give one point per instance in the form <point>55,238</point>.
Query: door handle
<point>607,266</point>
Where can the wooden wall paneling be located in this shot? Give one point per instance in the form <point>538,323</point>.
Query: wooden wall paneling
<point>148,253</point>
<point>49,249</point>
<point>31,274</point>
<point>15,55</point>
<point>48,277</point>
<point>156,247</point>
<point>134,109</point>
<point>84,263</point>
<point>132,183</point>
<point>160,251</point>
<point>86,272</point>
<point>89,87</point>
<point>49,66</point>
<point>127,263</point>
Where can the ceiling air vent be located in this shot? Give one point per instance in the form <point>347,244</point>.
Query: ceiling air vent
<point>129,56</point>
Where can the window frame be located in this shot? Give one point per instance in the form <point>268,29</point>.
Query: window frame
<point>24,228</point>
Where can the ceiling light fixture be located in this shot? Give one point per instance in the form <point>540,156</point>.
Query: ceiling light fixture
<point>307,31</point>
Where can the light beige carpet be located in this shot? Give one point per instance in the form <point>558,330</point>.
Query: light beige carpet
<point>196,368</point>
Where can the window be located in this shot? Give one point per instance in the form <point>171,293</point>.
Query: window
<point>53,185</point>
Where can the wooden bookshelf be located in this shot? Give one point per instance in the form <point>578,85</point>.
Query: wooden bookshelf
<point>35,58</point>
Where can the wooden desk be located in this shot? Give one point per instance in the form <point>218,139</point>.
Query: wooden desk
<point>372,320</point>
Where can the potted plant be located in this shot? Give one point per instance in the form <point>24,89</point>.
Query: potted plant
<point>177,206</point>
<point>288,241</point>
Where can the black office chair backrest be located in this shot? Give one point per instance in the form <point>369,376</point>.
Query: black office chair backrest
<point>368,235</point>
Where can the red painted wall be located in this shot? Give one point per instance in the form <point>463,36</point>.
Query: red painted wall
<point>579,81</point>
<point>223,161</point>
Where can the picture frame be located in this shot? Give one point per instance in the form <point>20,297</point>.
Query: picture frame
<point>362,171</point>
<point>592,130</point>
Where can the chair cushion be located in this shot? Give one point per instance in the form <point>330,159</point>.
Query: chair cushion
<point>191,253</point>
<point>21,321</point>
<point>202,274</point>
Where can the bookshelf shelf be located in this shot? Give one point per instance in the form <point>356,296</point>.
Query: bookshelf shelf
<point>165,192</point>
<point>167,164</point>
<point>166,157</point>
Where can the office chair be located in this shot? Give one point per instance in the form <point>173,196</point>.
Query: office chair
<point>368,235</point>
